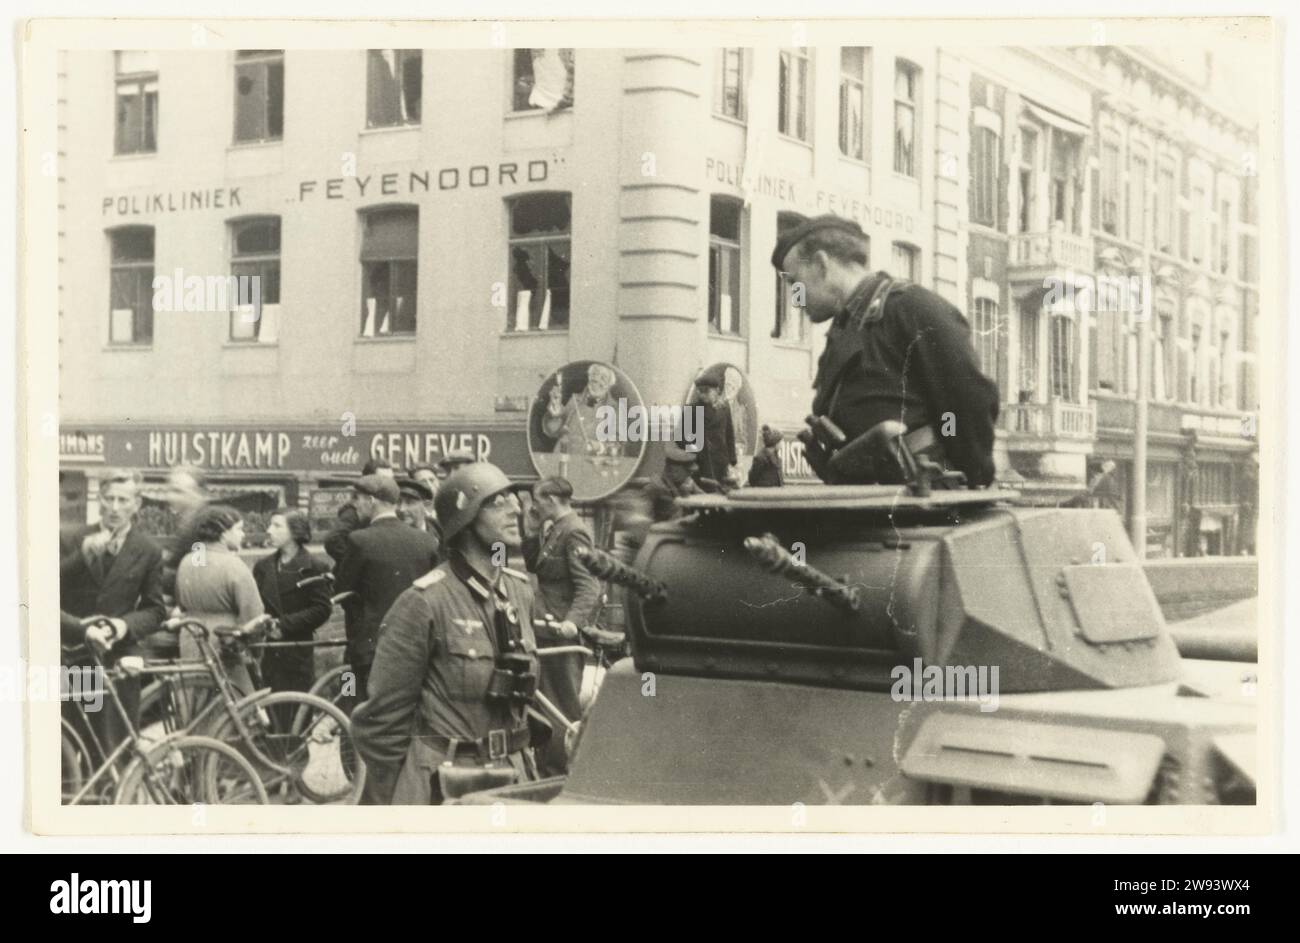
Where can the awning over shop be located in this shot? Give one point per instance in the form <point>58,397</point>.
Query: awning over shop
<point>1056,120</point>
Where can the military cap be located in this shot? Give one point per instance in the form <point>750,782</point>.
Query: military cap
<point>410,488</point>
<point>710,379</point>
<point>377,486</point>
<point>792,237</point>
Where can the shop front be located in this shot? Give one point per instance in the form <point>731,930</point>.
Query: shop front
<point>257,469</point>
<point>1201,480</point>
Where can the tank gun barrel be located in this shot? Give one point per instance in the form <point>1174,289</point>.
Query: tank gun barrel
<point>767,550</point>
<point>616,571</point>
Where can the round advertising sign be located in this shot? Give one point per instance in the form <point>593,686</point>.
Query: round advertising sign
<point>584,425</point>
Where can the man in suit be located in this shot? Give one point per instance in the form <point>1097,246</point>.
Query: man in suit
<point>381,560</point>
<point>570,593</point>
<point>336,542</point>
<point>111,569</point>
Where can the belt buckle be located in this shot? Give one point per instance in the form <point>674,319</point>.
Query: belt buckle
<point>498,745</point>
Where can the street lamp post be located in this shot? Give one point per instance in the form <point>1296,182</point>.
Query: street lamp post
<point>1138,519</point>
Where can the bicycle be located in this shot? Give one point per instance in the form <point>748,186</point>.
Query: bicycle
<point>603,644</point>
<point>301,745</point>
<point>181,769</point>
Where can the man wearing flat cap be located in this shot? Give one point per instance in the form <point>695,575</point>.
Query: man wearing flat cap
<point>894,352</point>
<point>716,459</point>
<point>382,558</point>
<point>414,501</point>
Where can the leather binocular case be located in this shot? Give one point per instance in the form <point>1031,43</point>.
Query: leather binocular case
<point>513,680</point>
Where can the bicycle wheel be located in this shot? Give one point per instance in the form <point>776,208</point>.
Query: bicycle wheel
<point>301,745</point>
<point>189,770</point>
<point>75,762</point>
<point>330,687</point>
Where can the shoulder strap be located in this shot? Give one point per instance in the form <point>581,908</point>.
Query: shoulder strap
<point>875,307</point>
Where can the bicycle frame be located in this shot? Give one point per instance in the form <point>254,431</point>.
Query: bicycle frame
<point>132,743</point>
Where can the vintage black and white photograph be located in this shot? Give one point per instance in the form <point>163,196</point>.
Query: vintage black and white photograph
<point>778,415</point>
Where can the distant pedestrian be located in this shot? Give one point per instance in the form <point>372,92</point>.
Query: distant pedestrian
<point>414,500</point>
<point>675,481</point>
<point>114,570</point>
<point>300,610</point>
<point>216,587</point>
<point>716,460</point>
<point>382,558</point>
<point>348,521</point>
<point>765,472</point>
<point>570,594</point>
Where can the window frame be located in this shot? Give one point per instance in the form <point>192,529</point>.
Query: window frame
<point>1109,197</point>
<point>1062,356</point>
<point>264,58</point>
<point>400,56</point>
<point>721,247</point>
<point>913,255</point>
<point>566,103</point>
<point>979,309</point>
<point>143,276</point>
<point>720,84</point>
<point>994,166</point>
<point>1137,194</point>
<point>785,96</point>
<point>393,266</point>
<point>912,106</point>
<point>783,325</point>
<point>261,261</point>
<point>545,240</point>
<point>848,82</point>
<point>140,80</point>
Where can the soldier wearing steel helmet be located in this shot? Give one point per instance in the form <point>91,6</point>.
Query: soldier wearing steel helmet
<point>456,664</point>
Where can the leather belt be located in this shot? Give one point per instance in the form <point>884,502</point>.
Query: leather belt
<point>497,745</point>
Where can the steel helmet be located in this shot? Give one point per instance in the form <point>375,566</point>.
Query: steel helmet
<point>464,492</point>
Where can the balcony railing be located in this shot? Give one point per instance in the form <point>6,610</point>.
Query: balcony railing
<point>1055,420</point>
<point>1051,249</point>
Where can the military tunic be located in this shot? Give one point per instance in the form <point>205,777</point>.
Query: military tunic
<point>912,360</point>
<point>436,655</point>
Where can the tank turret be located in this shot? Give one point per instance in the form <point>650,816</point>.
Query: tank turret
<point>841,589</point>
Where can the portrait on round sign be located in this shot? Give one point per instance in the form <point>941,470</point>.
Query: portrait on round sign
<point>577,428</point>
<point>732,416</point>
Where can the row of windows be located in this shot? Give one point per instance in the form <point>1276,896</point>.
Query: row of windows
<point>1198,372</point>
<point>540,79</point>
<point>794,95</point>
<point>1049,166</point>
<point>539,261</point>
<point>1048,163</point>
<point>1201,233</point>
<point>989,336</point>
